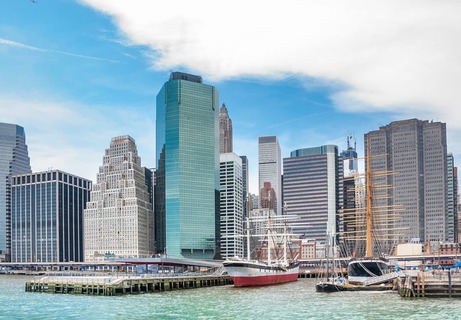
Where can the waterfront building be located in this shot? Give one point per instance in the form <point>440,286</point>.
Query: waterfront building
<point>118,219</point>
<point>225,131</point>
<point>187,177</point>
<point>452,200</point>
<point>313,191</point>
<point>270,168</point>
<point>415,152</point>
<point>231,205</point>
<point>47,216</point>
<point>14,160</point>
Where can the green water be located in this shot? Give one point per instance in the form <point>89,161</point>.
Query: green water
<point>296,300</point>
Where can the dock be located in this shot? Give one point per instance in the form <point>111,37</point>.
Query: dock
<point>431,284</point>
<point>122,284</point>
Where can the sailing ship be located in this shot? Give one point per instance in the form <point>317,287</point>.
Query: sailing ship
<point>247,272</point>
<point>377,225</point>
<point>331,280</point>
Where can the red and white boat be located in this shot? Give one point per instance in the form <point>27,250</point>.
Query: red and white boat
<point>246,272</point>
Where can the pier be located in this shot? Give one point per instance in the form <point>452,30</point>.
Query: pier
<point>431,284</point>
<point>122,285</point>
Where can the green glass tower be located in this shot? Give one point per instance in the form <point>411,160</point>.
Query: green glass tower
<point>187,176</point>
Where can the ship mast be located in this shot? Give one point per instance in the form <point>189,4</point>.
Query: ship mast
<point>368,212</point>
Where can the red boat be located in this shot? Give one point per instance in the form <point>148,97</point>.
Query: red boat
<point>246,273</point>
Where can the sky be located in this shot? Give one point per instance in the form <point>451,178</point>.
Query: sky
<point>75,73</point>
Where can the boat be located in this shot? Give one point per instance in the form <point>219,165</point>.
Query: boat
<point>248,273</point>
<point>331,280</point>
<point>360,270</point>
<point>245,273</point>
<point>372,268</point>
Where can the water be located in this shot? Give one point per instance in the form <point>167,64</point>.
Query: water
<point>297,300</point>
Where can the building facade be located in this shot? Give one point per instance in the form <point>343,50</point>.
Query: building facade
<point>47,217</point>
<point>187,176</point>
<point>14,160</point>
<point>270,168</point>
<point>313,191</point>
<point>414,152</point>
<point>225,131</point>
<point>118,219</point>
<point>231,206</point>
<point>452,200</point>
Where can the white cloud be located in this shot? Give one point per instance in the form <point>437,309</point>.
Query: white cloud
<point>399,56</point>
<point>72,137</point>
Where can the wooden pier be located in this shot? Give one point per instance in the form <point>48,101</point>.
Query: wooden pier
<point>431,284</point>
<point>121,285</point>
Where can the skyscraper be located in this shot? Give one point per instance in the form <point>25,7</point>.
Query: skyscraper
<point>187,176</point>
<point>118,219</point>
<point>350,158</point>
<point>245,181</point>
<point>225,131</point>
<point>231,205</point>
<point>452,212</point>
<point>415,151</point>
<point>270,168</point>
<point>14,159</point>
<point>313,190</point>
<point>47,217</point>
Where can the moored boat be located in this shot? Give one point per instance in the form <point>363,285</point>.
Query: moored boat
<point>246,273</point>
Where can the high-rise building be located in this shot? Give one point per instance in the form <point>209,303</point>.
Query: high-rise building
<point>415,152</point>
<point>350,158</point>
<point>231,205</point>
<point>245,181</point>
<point>14,160</point>
<point>225,131</point>
<point>270,168</point>
<point>118,219</point>
<point>47,217</point>
<point>313,191</point>
<point>452,194</point>
<point>187,176</point>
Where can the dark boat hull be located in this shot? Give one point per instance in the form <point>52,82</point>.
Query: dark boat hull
<point>329,287</point>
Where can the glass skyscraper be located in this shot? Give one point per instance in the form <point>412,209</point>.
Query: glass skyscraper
<point>14,160</point>
<point>187,176</point>
<point>47,217</point>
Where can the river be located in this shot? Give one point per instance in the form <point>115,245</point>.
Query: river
<point>297,300</point>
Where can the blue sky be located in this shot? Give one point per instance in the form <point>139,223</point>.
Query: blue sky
<point>75,74</point>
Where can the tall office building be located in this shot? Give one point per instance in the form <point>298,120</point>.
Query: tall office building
<point>245,181</point>
<point>452,194</point>
<point>415,151</point>
<point>270,168</point>
<point>313,190</point>
<point>187,177</point>
<point>231,205</point>
<point>225,131</point>
<point>118,219</point>
<point>14,160</point>
<point>47,217</point>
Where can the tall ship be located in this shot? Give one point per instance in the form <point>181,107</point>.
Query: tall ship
<point>373,225</point>
<point>275,270</point>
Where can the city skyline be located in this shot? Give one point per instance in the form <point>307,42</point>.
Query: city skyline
<point>311,80</point>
